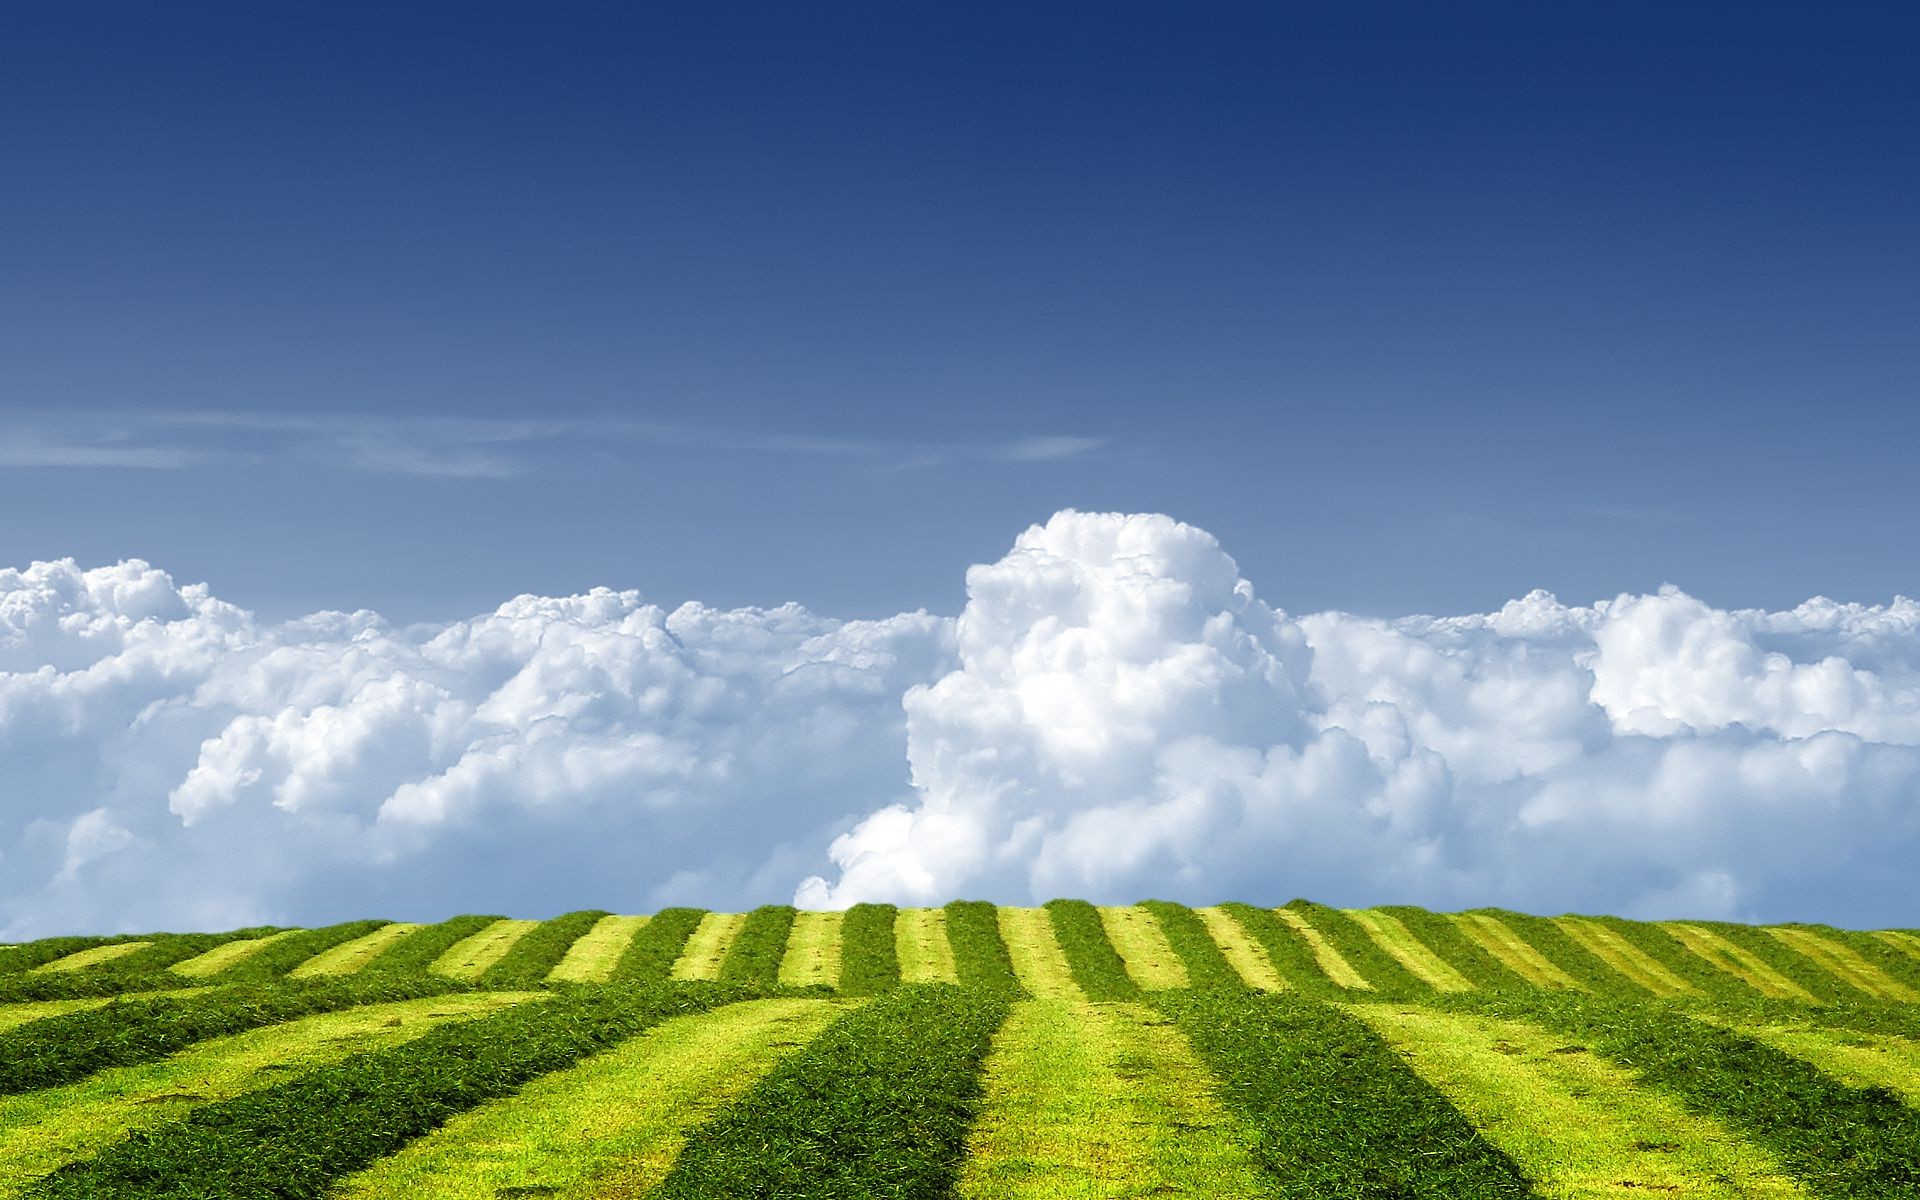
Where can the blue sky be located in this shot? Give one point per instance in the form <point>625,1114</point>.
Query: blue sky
<point>1415,307</point>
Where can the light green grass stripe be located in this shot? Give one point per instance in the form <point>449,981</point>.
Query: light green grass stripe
<point>813,951</point>
<point>227,955</point>
<point>1038,962</point>
<point>1101,1102</point>
<point>1838,960</point>
<point>1737,961</point>
<point>920,942</point>
<point>1578,1126</point>
<point>98,955</point>
<point>707,948</point>
<point>40,1131</point>
<point>12,1016</point>
<point>611,1126</point>
<point>1625,957</point>
<point>1247,957</point>
<point>1143,947</point>
<point>593,957</point>
<point>1396,939</point>
<point>1497,938</point>
<point>471,955</point>
<point>1900,940</point>
<point>1333,964</point>
<point>349,957</point>
<point>1855,1059</point>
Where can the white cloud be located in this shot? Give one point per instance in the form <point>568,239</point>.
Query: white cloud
<point>1115,714</point>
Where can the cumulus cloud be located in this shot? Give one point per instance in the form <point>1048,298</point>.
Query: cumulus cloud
<point>1116,713</point>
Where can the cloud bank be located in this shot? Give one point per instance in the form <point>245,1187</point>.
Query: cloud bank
<point>1116,713</point>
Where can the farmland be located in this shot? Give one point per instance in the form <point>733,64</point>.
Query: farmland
<point>1069,1050</point>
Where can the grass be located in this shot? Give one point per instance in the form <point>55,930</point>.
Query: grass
<point>706,951</point>
<point>347,957</point>
<point>592,958</point>
<point>1185,931</point>
<point>287,954</point>
<point>1410,952</point>
<point>227,955</point>
<point>657,945</point>
<point>44,1130</point>
<point>1739,962</point>
<point>877,1106</point>
<point>1458,949</point>
<point>1101,1102</point>
<point>1628,960</point>
<point>920,942</point>
<point>432,947</point>
<point>46,950</point>
<point>12,1016</point>
<point>1574,1123</point>
<point>475,954</point>
<point>869,953</point>
<point>93,956</point>
<point>1350,941</point>
<point>1513,952</point>
<point>1327,959</point>
<point>753,960</point>
<point>296,1138</point>
<point>1034,954</point>
<point>1082,936</point>
<point>611,1125</point>
<point>1843,962</point>
<point>1291,956</point>
<point>980,955</point>
<point>1337,1115</point>
<point>534,955</point>
<point>1855,1059</point>
<point>812,957</point>
<point>1659,944</point>
<point>1248,958</point>
<point>1143,948</point>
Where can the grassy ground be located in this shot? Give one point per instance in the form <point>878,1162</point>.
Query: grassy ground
<point>813,951</point>
<point>348,957</point>
<point>920,942</point>
<point>1411,953</point>
<point>471,956</point>
<point>1248,958</point>
<point>1038,962</point>
<point>593,957</point>
<point>1143,946</point>
<point>1332,963</point>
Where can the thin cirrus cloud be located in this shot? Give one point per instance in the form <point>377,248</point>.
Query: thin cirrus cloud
<point>1116,713</point>
<point>449,447</point>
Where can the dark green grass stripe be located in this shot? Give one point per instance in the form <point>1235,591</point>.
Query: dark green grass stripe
<point>1097,967</point>
<point>1584,967</point>
<point>539,951</point>
<point>1826,987</point>
<point>1839,1141</point>
<point>1291,955</point>
<point>296,1138</point>
<point>979,952</point>
<point>81,985</point>
<point>1206,966</point>
<point>869,959</point>
<point>1668,951</point>
<point>1337,1115</point>
<point>1364,954</point>
<point>1440,935</point>
<point>62,1049</point>
<point>419,950</point>
<point>650,956</point>
<point>46,950</point>
<point>754,958</point>
<point>879,1105</point>
<point>1902,966</point>
<point>276,960</point>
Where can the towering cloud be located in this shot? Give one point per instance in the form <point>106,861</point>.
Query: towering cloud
<point>1116,713</point>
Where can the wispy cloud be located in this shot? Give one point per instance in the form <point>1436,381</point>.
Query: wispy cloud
<point>449,447</point>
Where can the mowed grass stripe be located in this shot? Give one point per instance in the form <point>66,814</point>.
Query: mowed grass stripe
<point>278,960</point>
<point>920,941</point>
<point>1100,1102</point>
<point>349,957</point>
<point>1579,1127</point>
<point>813,951</point>
<point>753,959</point>
<point>1855,1059</point>
<point>533,956</point>
<point>1143,946</point>
<point>1500,940</point>
<point>47,1129</point>
<point>1331,962</point>
<point>1248,958</point>
<point>12,1016</point>
<point>1843,962</point>
<point>1439,933</point>
<point>592,958</point>
<point>225,957</point>
<point>706,951</point>
<point>1038,962</point>
<point>470,957</point>
<point>1393,937</point>
<point>610,1126</point>
<point>650,955</point>
<point>1623,956</point>
<point>1082,936</point>
<point>1738,962</point>
<point>1900,940</point>
<point>1200,955</point>
<point>97,956</point>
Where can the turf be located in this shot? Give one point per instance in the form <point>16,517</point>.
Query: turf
<point>1149,959</point>
<point>753,958</point>
<point>1034,954</point>
<point>980,955</point>
<point>475,954</point>
<point>812,957</point>
<point>920,942</point>
<point>657,945</point>
<point>1082,936</point>
<point>592,958</point>
<point>534,956</point>
<point>1410,952</point>
<point>869,953</point>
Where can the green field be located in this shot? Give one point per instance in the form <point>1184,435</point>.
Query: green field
<point>971,1051</point>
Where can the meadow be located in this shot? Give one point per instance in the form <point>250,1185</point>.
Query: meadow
<point>973,1051</point>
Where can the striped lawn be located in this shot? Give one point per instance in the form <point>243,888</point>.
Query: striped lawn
<point>706,950</point>
<point>1409,951</point>
<point>1332,963</point>
<point>1101,1102</point>
<point>1038,962</point>
<point>1844,963</point>
<point>1497,938</point>
<point>920,940</point>
<point>1249,959</point>
<point>1856,1059</point>
<point>228,955</point>
<point>1578,1126</point>
<point>1738,961</point>
<point>472,955</point>
<point>611,1126</point>
<point>349,957</point>
<point>97,956</point>
<point>593,957</point>
<point>12,1016</point>
<point>42,1130</point>
<point>1143,947</point>
<point>813,951</point>
<point>1901,940</point>
<point>1623,956</point>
